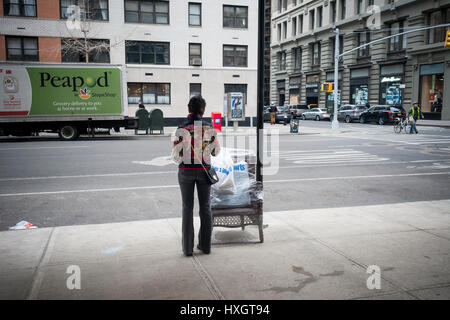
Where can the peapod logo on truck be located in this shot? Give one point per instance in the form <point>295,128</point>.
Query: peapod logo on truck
<point>76,83</point>
<point>75,90</point>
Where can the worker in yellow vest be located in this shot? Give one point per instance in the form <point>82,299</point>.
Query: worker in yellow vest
<point>414,115</point>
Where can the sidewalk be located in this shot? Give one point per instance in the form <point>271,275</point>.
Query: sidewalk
<point>282,129</point>
<point>308,254</point>
<point>434,123</point>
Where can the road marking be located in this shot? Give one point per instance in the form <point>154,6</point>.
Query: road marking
<point>90,176</point>
<point>159,161</point>
<point>359,177</point>
<point>331,164</point>
<point>86,191</point>
<point>37,148</point>
<point>177,186</point>
<point>329,156</point>
<point>414,140</point>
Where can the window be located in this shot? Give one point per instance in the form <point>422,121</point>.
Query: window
<point>149,93</point>
<point>312,20</point>
<point>363,38</point>
<point>73,50</point>
<point>234,56</point>
<point>397,43</point>
<point>294,26</point>
<point>147,11</point>
<point>360,6</point>
<point>298,58</point>
<point>300,23</point>
<point>195,89</point>
<point>90,9</point>
<point>22,49</point>
<point>195,54</point>
<point>435,18</point>
<point>279,31</point>
<point>333,11</point>
<point>282,5</point>
<point>23,8</point>
<point>195,14</point>
<point>319,16</point>
<point>343,9</point>
<point>140,52</point>
<point>285,30</point>
<point>282,60</point>
<point>315,54</point>
<point>235,17</point>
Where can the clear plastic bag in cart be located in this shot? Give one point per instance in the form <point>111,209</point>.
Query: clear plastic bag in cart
<point>247,190</point>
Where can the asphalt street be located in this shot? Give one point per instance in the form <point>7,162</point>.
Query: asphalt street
<point>53,183</point>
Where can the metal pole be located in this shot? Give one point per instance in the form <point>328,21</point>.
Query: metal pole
<point>260,91</point>
<point>335,123</point>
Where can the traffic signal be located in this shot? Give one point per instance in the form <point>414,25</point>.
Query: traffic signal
<point>327,87</point>
<point>447,40</point>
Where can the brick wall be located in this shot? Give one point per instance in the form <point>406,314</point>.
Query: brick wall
<point>48,9</point>
<point>49,49</point>
<point>1,8</point>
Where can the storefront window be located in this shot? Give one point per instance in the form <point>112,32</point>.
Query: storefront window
<point>432,87</point>
<point>294,90</point>
<point>312,90</point>
<point>391,85</point>
<point>359,86</point>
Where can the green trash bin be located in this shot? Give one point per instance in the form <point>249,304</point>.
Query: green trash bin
<point>156,121</point>
<point>143,121</point>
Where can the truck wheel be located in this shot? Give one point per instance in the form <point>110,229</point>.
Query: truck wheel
<point>68,133</point>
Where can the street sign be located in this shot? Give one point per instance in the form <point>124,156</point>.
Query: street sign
<point>447,40</point>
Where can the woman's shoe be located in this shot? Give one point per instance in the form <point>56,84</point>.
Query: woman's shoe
<point>200,248</point>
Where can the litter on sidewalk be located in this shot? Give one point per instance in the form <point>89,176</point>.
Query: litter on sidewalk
<point>23,225</point>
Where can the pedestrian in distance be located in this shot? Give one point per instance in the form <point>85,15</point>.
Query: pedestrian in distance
<point>141,105</point>
<point>414,114</point>
<point>273,111</point>
<point>193,172</point>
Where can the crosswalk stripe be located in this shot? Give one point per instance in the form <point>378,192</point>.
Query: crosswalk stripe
<point>342,161</point>
<point>333,157</point>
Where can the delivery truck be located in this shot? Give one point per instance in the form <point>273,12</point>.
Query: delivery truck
<point>66,99</point>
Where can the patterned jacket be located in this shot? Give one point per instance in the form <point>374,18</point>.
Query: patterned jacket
<point>197,135</point>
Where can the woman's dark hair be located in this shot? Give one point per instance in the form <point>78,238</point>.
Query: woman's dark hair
<point>197,105</point>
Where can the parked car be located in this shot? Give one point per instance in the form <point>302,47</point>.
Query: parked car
<point>382,114</point>
<point>297,110</point>
<point>283,115</point>
<point>350,112</point>
<point>316,114</point>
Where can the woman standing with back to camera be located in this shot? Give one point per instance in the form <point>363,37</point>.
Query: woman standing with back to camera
<point>192,172</point>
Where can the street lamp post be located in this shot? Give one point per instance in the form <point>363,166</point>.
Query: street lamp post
<point>335,123</point>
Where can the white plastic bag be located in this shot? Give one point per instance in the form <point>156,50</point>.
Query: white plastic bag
<point>223,164</point>
<point>241,198</point>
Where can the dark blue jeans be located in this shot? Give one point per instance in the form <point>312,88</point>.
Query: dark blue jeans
<point>413,127</point>
<point>188,179</point>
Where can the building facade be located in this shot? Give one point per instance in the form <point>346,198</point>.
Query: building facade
<point>171,49</point>
<point>396,71</point>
